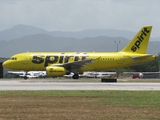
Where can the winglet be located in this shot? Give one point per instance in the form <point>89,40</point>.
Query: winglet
<point>139,43</point>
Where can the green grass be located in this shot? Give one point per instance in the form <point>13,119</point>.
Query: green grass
<point>87,105</point>
<point>106,97</point>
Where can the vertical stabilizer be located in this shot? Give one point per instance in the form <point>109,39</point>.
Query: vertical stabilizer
<point>139,43</point>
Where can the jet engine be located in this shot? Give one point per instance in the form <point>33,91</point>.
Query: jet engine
<point>55,71</point>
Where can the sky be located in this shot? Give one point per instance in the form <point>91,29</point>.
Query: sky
<point>78,15</point>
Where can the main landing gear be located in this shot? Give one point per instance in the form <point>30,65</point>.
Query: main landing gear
<point>25,76</point>
<point>75,76</point>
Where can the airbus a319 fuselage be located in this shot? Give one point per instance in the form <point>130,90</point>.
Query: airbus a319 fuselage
<point>61,63</point>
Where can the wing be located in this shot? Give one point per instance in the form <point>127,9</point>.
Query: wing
<point>76,64</point>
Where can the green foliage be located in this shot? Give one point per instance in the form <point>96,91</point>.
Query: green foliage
<point>125,69</point>
<point>151,66</point>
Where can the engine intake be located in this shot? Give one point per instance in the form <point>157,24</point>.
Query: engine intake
<point>55,71</point>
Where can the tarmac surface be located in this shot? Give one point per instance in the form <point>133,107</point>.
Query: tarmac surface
<point>70,85</point>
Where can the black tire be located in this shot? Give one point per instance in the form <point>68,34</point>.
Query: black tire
<point>25,77</point>
<point>75,76</point>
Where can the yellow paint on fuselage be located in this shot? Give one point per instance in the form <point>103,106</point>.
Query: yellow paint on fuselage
<point>103,60</point>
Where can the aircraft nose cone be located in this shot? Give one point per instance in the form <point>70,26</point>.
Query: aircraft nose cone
<point>6,65</point>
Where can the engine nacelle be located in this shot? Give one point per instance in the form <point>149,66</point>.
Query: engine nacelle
<point>55,71</point>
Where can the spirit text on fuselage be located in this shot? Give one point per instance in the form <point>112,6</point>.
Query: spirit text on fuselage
<point>53,58</point>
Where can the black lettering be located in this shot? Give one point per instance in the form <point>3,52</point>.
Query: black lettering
<point>84,56</point>
<point>50,60</point>
<point>37,59</point>
<point>137,44</point>
<point>141,36</point>
<point>144,33</point>
<point>133,48</point>
<point>76,58</point>
<point>146,30</point>
<point>61,58</point>
<point>66,59</point>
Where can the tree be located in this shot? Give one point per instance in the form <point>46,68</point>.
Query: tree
<point>151,66</point>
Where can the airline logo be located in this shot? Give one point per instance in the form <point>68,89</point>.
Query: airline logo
<point>140,38</point>
<point>62,58</point>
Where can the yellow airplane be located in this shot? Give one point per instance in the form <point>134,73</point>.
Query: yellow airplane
<point>62,63</point>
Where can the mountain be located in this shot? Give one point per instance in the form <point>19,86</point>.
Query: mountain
<point>19,31</point>
<point>154,47</point>
<point>43,42</point>
<point>23,38</point>
<point>94,33</point>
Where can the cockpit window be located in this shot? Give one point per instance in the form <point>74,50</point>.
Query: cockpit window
<point>13,58</point>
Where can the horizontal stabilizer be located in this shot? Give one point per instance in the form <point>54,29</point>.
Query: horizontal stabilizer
<point>141,57</point>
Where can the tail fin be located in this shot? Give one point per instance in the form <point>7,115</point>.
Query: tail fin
<point>139,43</point>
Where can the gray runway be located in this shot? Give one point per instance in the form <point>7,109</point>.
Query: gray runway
<point>40,85</point>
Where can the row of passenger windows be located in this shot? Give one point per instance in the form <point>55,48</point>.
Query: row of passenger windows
<point>14,58</point>
<point>95,58</point>
<point>106,58</point>
<point>103,58</point>
<point>86,58</point>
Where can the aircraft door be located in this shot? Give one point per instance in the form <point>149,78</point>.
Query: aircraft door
<point>25,63</point>
<point>125,58</point>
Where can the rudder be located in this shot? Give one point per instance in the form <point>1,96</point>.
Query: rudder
<point>140,41</point>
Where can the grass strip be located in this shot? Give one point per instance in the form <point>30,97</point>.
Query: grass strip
<point>80,105</point>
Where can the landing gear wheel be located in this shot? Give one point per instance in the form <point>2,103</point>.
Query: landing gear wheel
<point>75,76</point>
<point>25,77</point>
